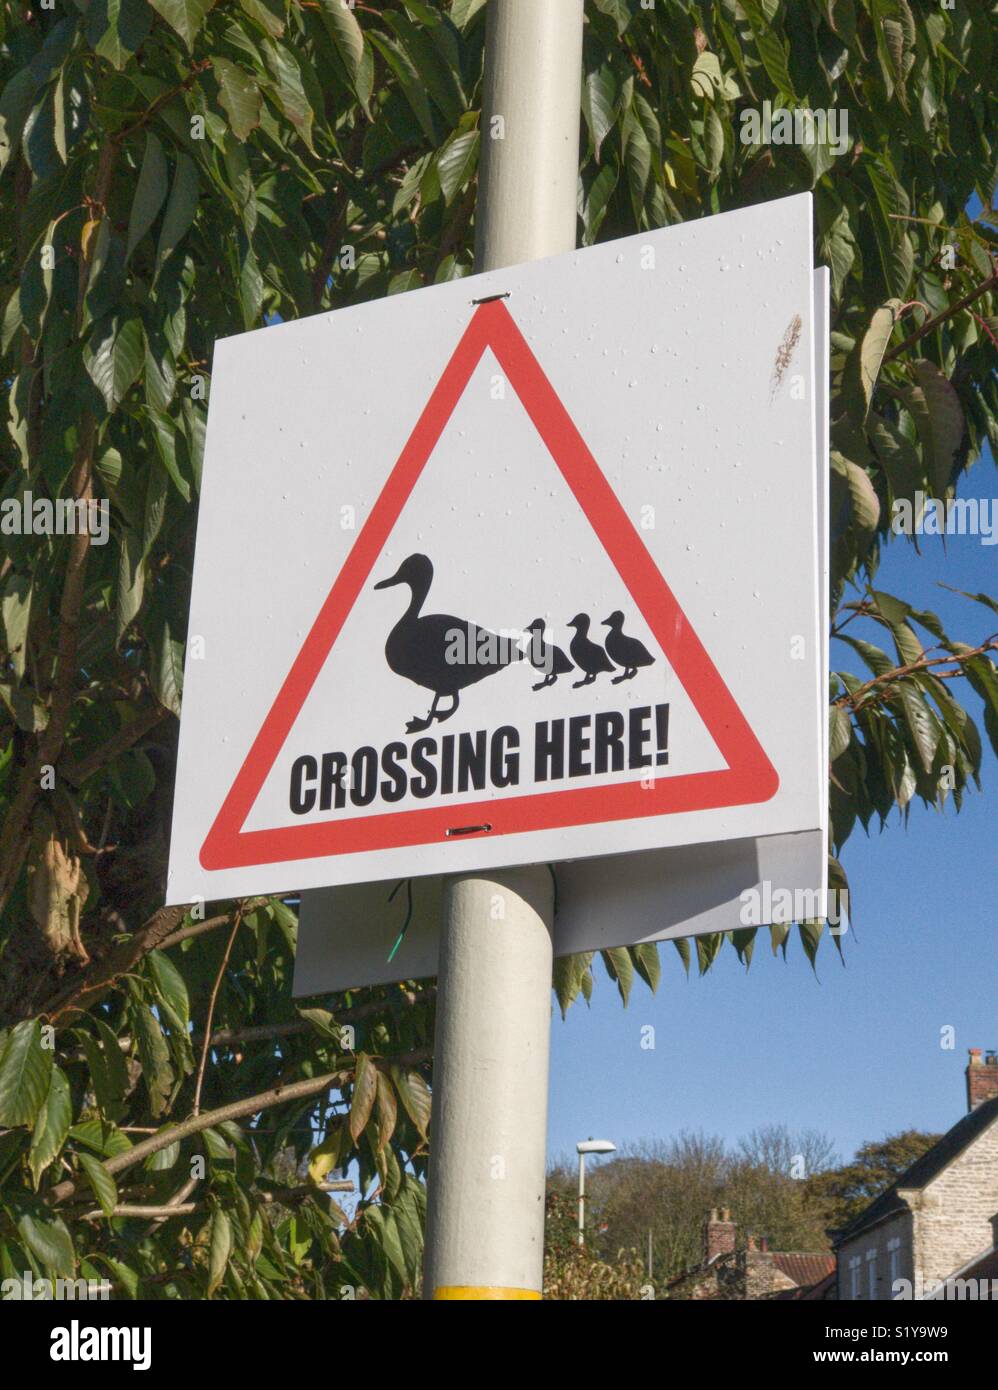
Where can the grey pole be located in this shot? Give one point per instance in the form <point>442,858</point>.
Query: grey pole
<point>582,1199</point>
<point>485,1224</point>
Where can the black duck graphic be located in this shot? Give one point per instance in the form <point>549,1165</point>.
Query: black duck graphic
<point>545,656</point>
<point>625,651</point>
<point>589,656</point>
<point>437,651</point>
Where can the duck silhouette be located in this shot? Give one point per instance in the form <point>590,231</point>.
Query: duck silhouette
<point>625,651</point>
<point>588,656</point>
<point>545,656</point>
<point>437,651</point>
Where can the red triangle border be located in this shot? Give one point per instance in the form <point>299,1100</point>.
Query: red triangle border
<point>748,779</point>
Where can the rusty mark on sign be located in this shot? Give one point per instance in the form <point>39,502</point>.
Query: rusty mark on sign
<point>784,354</point>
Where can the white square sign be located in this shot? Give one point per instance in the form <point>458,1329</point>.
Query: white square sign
<point>520,568</point>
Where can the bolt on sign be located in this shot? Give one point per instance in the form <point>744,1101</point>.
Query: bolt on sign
<point>521,568</point>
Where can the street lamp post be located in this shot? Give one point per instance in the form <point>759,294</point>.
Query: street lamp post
<point>588,1146</point>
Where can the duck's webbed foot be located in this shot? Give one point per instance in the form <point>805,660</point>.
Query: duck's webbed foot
<point>440,717</point>
<point>541,685</point>
<point>587,681</point>
<point>629,674</point>
<point>417,725</point>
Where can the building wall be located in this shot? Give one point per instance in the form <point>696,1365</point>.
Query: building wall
<point>949,1222</point>
<point>878,1240</point>
<point>953,1215</point>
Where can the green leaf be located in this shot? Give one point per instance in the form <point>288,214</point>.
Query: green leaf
<point>456,163</point>
<point>839,731</point>
<point>131,581</point>
<point>682,946</point>
<point>771,49</point>
<point>103,1184</point>
<point>345,32</point>
<point>150,191</point>
<point>648,963</point>
<point>620,967</point>
<point>365,1088</point>
<point>600,96</point>
<point>713,136</point>
<point>51,1126</point>
<point>938,414</point>
<point>269,14</point>
<point>922,724</point>
<point>16,610</point>
<point>48,1240</point>
<point>25,1074</point>
<point>113,356</point>
<point>220,1248</point>
<point>387,1110</point>
<point>154,1055</point>
<point>706,75</point>
<point>239,95</point>
<point>864,365</point>
<point>180,209</point>
<point>862,493</point>
<point>415,1097</point>
<point>618,11</point>
<point>117,29</point>
<point>185,16</point>
<point>171,988</point>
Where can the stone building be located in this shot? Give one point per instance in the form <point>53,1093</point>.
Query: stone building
<point>730,1270</point>
<point>938,1223</point>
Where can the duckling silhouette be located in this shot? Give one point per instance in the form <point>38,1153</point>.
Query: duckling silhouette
<point>545,656</point>
<point>625,651</point>
<point>587,655</point>
<point>439,652</point>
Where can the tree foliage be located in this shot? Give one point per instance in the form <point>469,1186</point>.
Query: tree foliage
<point>845,1190</point>
<point>177,172</point>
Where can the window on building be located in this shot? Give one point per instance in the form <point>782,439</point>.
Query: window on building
<point>854,1268</point>
<point>893,1262</point>
<point>871,1273</point>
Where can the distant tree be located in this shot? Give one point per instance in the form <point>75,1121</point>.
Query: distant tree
<point>574,1272</point>
<point>844,1192</point>
<point>667,1187</point>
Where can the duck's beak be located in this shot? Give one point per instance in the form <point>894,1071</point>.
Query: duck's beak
<point>607,622</point>
<point>387,583</point>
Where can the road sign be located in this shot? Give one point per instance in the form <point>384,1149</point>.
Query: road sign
<point>352,933</point>
<point>497,572</point>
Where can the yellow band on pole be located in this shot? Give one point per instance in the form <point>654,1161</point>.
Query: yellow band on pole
<point>475,1291</point>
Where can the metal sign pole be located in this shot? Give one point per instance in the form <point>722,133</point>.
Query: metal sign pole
<point>485,1226</point>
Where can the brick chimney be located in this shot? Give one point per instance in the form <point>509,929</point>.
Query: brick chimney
<point>982,1077</point>
<point>718,1234</point>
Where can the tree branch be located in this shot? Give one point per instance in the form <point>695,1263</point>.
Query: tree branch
<point>856,698</point>
<point>930,324</point>
<point>236,1110</point>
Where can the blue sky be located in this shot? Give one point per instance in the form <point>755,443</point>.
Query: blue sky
<point>854,1052</point>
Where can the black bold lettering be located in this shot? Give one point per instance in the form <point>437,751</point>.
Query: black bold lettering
<point>471,761</point>
<point>393,788</point>
<point>333,767</point>
<point>608,741</point>
<point>578,745</point>
<point>638,735</point>
<point>364,782</point>
<point>425,784</point>
<point>303,798</point>
<point>549,749</point>
<point>504,765</point>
